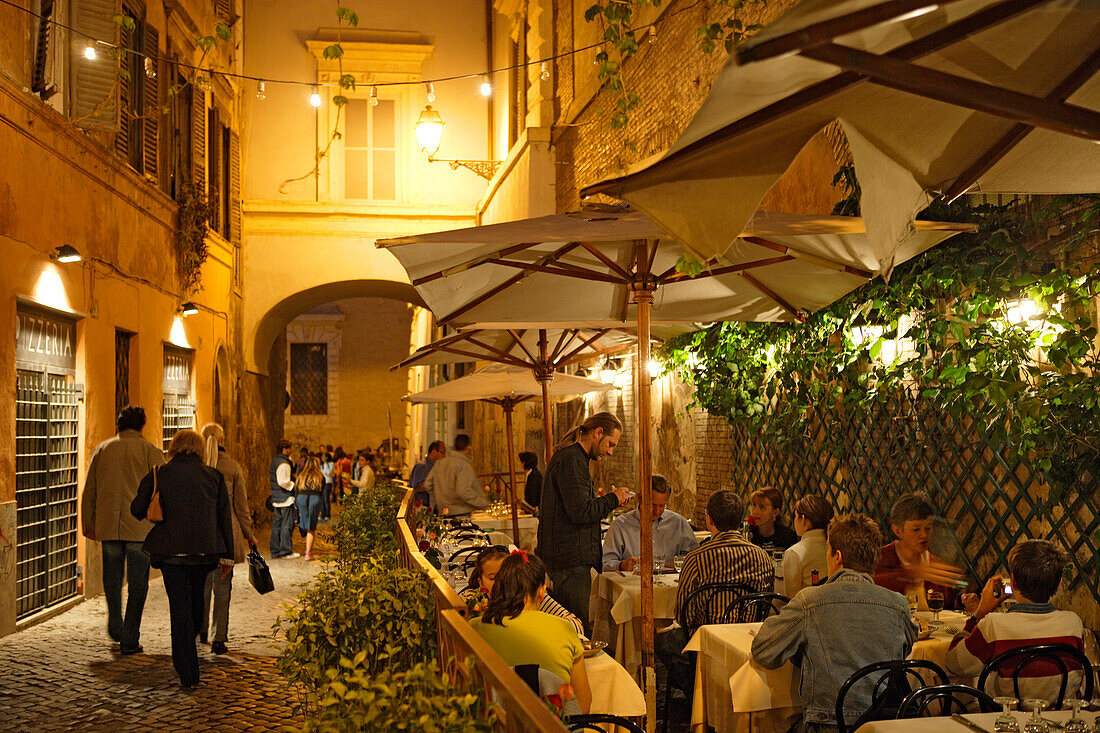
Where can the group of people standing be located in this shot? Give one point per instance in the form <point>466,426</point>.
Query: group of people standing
<point>202,528</point>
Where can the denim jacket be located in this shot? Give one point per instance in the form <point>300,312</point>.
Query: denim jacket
<point>831,631</point>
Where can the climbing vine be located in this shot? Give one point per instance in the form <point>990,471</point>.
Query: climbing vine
<point>998,325</point>
<point>195,210</point>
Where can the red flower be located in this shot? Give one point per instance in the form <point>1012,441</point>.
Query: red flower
<point>752,520</point>
<point>424,545</point>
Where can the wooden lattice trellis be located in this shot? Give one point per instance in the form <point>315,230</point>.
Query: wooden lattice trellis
<point>986,500</point>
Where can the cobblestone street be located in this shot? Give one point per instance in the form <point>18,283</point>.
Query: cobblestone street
<point>63,675</point>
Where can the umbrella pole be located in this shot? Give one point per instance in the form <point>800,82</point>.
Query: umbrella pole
<point>508,405</point>
<point>544,373</point>
<point>643,298</point>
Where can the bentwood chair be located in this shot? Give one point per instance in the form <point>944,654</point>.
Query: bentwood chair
<point>755,607</point>
<point>594,722</point>
<point>1060,659</point>
<point>951,698</point>
<point>894,683</point>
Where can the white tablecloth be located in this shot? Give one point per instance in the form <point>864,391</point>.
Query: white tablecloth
<point>528,527</point>
<point>734,693</point>
<point>616,607</point>
<point>947,725</point>
<point>614,691</point>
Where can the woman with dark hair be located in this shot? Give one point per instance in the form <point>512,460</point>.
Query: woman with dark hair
<point>311,487</point>
<point>532,485</point>
<point>480,584</point>
<point>766,527</point>
<point>194,537</point>
<point>812,515</point>
<point>522,634</point>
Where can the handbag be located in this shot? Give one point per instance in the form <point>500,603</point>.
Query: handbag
<point>259,574</point>
<point>154,513</point>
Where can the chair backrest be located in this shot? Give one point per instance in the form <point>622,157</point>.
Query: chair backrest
<point>891,683</point>
<point>951,698</point>
<point>707,604</point>
<point>755,607</point>
<point>594,721</point>
<point>1045,659</point>
<point>529,673</point>
<point>469,552</point>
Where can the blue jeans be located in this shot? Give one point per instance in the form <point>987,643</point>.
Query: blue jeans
<point>309,510</point>
<point>282,525</point>
<point>120,556</point>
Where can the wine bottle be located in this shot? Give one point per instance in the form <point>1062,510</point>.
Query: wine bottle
<point>814,578</point>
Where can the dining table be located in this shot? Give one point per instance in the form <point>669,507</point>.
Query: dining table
<point>615,606</point>
<point>985,721</point>
<point>735,694</point>
<point>494,524</point>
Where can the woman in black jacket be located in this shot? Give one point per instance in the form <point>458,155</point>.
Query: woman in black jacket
<point>195,537</point>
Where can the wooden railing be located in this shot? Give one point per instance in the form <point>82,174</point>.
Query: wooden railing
<point>512,706</point>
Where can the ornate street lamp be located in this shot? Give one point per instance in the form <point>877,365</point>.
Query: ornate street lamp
<point>429,135</point>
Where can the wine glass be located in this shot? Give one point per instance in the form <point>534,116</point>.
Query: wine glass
<point>1007,722</point>
<point>935,604</point>
<point>1075,724</point>
<point>678,562</point>
<point>1036,724</point>
<point>1096,722</point>
<point>912,600</point>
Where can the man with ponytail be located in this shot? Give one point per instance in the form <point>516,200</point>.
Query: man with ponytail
<point>570,511</point>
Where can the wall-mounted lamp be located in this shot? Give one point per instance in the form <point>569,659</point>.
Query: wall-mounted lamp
<point>608,372</point>
<point>66,253</point>
<point>429,135</point>
<point>188,308</point>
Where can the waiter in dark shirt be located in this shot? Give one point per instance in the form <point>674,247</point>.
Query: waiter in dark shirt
<point>570,511</point>
<point>532,484</point>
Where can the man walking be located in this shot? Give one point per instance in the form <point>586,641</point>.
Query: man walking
<point>570,512</point>
<point>420,471</point>
<point>453,482</point>
<point>117,467</point>
<point>282,502</point>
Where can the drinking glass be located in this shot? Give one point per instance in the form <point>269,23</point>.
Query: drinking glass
<point>1075,724</point>
<point>658,566</point>
<point>935,604</point>
<point>1007,722</point>
<point>1036,724</point>
<point>911,599</point>
<point>1096,722</point>
<point>678,562</point>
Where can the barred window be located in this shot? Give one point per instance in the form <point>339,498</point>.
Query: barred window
<point>309,379</point>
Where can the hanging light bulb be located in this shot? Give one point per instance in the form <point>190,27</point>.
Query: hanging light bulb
<point>486,87</point>
<point>373,100</point>
<point>544,74</point>
<point>261,90</point>
<point>431,92</point>
<point>202,81</point>
<point>653,34</point>
<point>89,51</point>
<point>315,98</point>
<point>150,68</point>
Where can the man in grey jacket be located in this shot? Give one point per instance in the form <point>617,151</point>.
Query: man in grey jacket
<point>117,467</point>
<point>835,629</point>
<point>453,484</point>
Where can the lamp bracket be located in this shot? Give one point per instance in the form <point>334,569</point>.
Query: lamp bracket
<point>484,168</point>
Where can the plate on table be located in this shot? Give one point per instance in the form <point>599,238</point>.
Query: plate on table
<point>592,648</point>
<point>924,631</point>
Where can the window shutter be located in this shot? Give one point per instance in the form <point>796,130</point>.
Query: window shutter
<point>93,81</point>
<point>213,168</point>
<point>42,49</point>
<point>151,121</point>
<point>198,138</point>
<point>127,89</point>
<point>224,10</point>
<point>234,187</point>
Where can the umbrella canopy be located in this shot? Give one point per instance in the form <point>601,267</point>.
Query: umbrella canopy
<point>781,266</point>
<point>987,95</point>
<point>498,382</point>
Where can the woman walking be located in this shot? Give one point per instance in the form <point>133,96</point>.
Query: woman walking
<point>220,586</point>
<point>311,486</point>
<point>194,537</point>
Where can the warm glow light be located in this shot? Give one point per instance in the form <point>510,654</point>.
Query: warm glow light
<point>486,87</point>
<point>429,130</point>
<point>188,309</point>
<point>607,372</point>
<point>656,368</point>
<point>373,99</point>
<point>66,253</point>
<point>916,13</point>
<point>1021,311</point>
<point>89,51</point>
<point>431,92</point>
<point>178,335</point>
<point>315,99</point>
<point>261,90</point>
<point>545,73</point>
<point>50,291</point>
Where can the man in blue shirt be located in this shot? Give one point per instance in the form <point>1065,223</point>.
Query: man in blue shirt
<point>420,471</point>
<point>672,535</point>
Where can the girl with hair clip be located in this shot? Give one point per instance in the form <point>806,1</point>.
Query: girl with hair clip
<point>522,634</point>
<point>480,585</point>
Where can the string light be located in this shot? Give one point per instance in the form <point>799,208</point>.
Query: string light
<point>653,34</point>
<point>545,73</point>
<point>373,100</point>
<point>431,92</point>
<point>261,90</point>
<point>486,87</point>
<point>315,98</point>
<point>89,51</point>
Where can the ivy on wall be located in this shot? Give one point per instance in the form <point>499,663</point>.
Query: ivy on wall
<point>998,325</point>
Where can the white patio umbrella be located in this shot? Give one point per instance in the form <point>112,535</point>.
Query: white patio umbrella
<point>543,351</point>
<point>507,386</point>
<point>935,99</point>
<point>605,267</point>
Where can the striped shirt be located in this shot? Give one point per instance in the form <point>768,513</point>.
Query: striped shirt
<point>1027,624</point>
<point>548,605</point>
<point>726,558</point>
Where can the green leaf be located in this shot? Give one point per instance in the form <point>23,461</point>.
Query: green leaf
<point>221,30</point>
<point>333,51</point>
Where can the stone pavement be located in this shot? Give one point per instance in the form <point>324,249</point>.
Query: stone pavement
<point>62,675</point>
